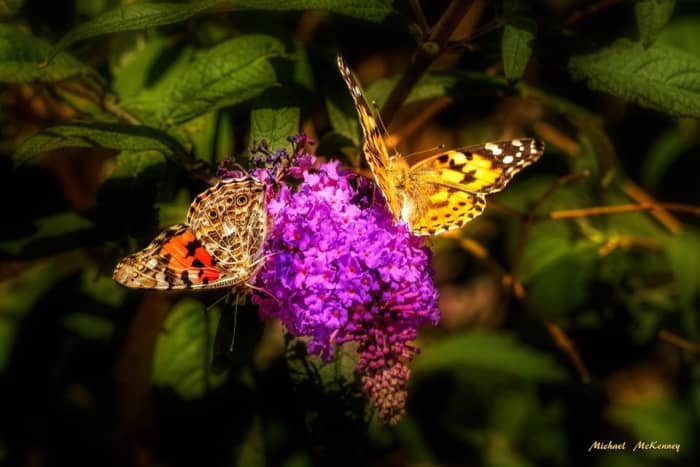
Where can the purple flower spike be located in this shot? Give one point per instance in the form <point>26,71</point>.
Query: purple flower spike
<point>341,270</point>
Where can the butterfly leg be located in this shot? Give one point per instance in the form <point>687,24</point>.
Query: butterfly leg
<point>217,301</point>
<point>253,287</point>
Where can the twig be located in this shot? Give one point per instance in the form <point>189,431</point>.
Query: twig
<point>529,219</point>
<point>591,9</point>
<point>420,18</point>
<point>434,108</point>
<point>106,102</point>
<point>622,208</point>
<point>428,51</point>
<point>664,217</point>
<point>561,340</point>
<point>680,342</point>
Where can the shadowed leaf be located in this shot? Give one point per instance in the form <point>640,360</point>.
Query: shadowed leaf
<point>498,353</point>
<point>23,57</point>
<point>100,135</point>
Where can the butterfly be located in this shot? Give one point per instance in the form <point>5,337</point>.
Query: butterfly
<point>445,190</point>
<point>219,246</point>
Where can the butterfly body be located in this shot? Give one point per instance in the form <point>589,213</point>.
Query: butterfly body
<point>443,191</point>
<point>219,246</point>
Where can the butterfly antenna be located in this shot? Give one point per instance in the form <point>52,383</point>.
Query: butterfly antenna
<point>235,324</point>
<point>382,126</point>
<point>439,147</point>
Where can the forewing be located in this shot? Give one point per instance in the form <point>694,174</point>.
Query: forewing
<point>174,260</point>
<point>375,149</point>
<point>230,220</point>
<point>484,168</point>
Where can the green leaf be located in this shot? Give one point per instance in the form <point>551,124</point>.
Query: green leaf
<point>231,72</point>
<point>62,231</point>
<point>683,33</point>
<point>137,16</point>
<point>664,421</point>
<point>274,117</point>
<point>101,287</point>
<point>496,352</point>
<point>684,257</point>
<point>516,47</point>
<point>183,351</point>
<point>135,69</point>
<point>251,452</point>
<point>23,57</point>
<point>89,326</point>
<point>652,16</point>
<point>665,150</point>
<point>132,17</point>
<point>118,137</point>
<point>659,77</point>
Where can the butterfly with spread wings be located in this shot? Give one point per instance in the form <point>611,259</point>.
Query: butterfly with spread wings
<point>446,190</point>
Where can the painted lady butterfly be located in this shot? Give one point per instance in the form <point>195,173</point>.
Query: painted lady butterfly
<point>220,246</point>
<point>446,190</point>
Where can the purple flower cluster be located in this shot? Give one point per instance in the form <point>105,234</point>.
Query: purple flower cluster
<point>341,271</point>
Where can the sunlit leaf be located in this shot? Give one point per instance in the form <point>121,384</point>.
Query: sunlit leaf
<point>658,77</point>
<point>184,349</point>
<point>275,116</point>
<point>500,353</point>
<point>231,72</point>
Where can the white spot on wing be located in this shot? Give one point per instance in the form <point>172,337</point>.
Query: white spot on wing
<point>494,148</point>
<point>517,143</point>
<point>508,159</point>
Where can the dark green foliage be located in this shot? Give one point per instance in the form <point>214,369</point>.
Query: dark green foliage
<point>561,325</point>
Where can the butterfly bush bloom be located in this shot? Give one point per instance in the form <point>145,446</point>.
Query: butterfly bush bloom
<point>341,271</point>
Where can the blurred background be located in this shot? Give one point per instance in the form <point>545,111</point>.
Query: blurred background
<point>569,309</point>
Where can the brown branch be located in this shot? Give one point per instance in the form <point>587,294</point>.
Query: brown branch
<point>621,209</point>
<point>105,102</point>
<point>640,196</point>
<point>434,108</point>
<point>529,219</point>
<point>559,337</point>
<point>589,10</point>
<point>680,342</point>
<point>420,18</point>
<point>428,51</point>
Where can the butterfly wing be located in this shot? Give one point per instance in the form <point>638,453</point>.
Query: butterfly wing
<point>484,168</point>
<point>174,260</point>
<point>376,152</point>
<point>231,222</point>
<point>440,208</point>
<point>449,188</point>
